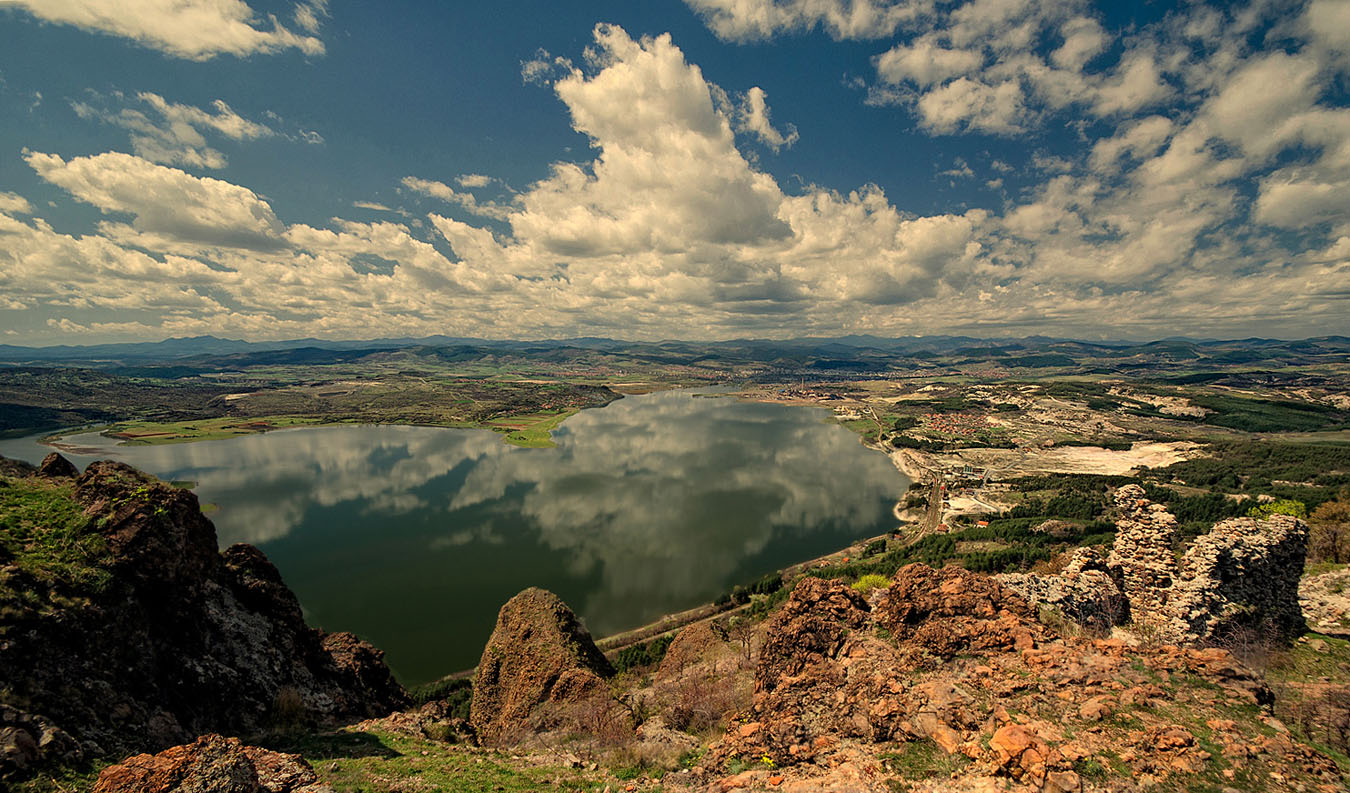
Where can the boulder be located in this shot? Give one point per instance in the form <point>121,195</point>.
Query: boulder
<point>539,668</point>
<point>211,764</point>
<point>943,613</point>
<point>28,741</point>
<point>54,466</point>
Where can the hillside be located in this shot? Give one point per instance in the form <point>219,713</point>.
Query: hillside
<point>125,630</point>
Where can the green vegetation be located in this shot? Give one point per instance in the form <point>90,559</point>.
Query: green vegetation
<point>45,535</point>
<point>456,692</point>
<point>915,760</point>
<point>643,655</point>
<point>1265,415</point>
<point>537,434</point>
<point>1282,506</point>
<point>149,433</point>
<point>364,762</point>
<point>870,581</point>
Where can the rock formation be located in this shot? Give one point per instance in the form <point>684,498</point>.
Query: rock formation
<point>540,672</point>
<point>832,668</point>
<point>1243,575</point>
<point>178,639</point>
<point>1083,591</point>
<point>211,764</point>
<point>1142,558</point>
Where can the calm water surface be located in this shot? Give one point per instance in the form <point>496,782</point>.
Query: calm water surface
<point>413,537</point>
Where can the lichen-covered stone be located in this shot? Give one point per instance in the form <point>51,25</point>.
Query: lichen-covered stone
<point>539,668</point>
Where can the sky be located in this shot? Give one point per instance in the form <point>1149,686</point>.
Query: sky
<point>667,169</point>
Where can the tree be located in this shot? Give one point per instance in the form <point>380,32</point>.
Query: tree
<point>1329,532</point>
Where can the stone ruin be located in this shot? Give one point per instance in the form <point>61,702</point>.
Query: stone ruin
<point>1242,576</point>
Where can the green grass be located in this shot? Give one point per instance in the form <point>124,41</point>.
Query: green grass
<point>922,760</point>
<point>46,535</point>
<point>64,780</point>
<point>159,433</point>
<point>539,434</point>
<point>366,762</point>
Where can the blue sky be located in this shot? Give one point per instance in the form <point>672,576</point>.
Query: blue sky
<point>703,169</point>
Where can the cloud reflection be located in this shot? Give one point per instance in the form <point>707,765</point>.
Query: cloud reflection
<point>656,501</point>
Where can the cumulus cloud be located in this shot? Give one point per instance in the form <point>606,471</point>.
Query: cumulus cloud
<point>193,29</point>
<point>737,20</point>
<point>467,201</point>
<point>164,201</point>
<point>753,116</point>
<point>174,134</point>
<point>669,229</point>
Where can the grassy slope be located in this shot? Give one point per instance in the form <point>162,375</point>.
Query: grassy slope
<point>44,534</point>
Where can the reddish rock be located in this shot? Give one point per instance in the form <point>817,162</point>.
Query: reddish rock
<point>211,764</point>
<point>943,613</point>
<point>540,668</point>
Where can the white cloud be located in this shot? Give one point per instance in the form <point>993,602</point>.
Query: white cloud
<point>669,229</point>
<point>473,180</point>
<point>965,103</point>
<point>14,204</point>
<point>467,201</point>
<point>174,135</point>
<point>164,201</point>
<point>753,116</point>
<point>193,29</point>
<point>925,63</point>
<point>842,19</point>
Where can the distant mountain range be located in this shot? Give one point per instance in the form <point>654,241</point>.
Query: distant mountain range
<point>194,346</point>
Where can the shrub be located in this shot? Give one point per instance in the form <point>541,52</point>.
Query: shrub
<point>869,582</point>
<point>1283,506</point>
<point>1329,532</point>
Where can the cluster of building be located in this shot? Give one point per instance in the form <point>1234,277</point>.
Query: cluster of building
<point>963,424</point>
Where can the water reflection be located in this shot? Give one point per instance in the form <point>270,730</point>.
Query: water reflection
<point>413,536</point>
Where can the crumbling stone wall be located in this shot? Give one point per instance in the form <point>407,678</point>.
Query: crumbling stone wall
<point>1243,575</point>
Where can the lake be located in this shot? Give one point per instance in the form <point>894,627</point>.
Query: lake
<point>413,537</point>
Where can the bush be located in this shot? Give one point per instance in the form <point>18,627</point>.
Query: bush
<point>1329,532</point>
<point>1281,506</point>
<point>640,655</point>
<point>869,582</point>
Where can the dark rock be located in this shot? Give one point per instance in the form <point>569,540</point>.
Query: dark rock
<point>16,468</point>
<point>27,741</point>
<point>183,640</point>
<point>54,466</point>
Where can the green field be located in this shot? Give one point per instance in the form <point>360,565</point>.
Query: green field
<point>151,433</point>
<point>538,432</point>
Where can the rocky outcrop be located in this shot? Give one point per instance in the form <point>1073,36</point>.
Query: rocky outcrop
<point>1242,576</point>
<point>178,639</point>
<point>542,672</point>
<point>942,613</point>
<point>211,764</point>
<point>1083,591</point>
<point>54,466</point>
<point>834,669</point>
<point>1325,600</point>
